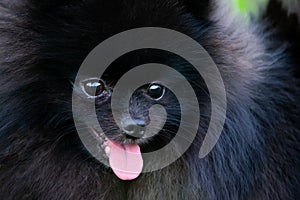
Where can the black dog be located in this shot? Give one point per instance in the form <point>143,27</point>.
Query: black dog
<point>42,45</point>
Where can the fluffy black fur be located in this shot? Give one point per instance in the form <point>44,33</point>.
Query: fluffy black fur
<point>43,43</point>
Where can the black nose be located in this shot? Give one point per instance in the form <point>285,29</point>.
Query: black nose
<point>136,130</point>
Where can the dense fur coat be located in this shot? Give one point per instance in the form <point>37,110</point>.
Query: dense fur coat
<point>43,43</point>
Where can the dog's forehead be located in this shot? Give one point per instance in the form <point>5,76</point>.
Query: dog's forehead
<point>66,31</point>
<point>115,14</point>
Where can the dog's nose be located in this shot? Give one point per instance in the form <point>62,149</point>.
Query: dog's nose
<point>135,130</point>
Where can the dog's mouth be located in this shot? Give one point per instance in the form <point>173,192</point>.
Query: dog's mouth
<point>125,159</point>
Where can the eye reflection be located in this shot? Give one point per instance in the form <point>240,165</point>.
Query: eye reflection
<point>93,87</point>
<point>155,91</point>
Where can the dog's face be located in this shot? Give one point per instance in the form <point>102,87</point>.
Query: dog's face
<point>64,33</point>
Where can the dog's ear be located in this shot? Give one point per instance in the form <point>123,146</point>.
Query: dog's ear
<point>284,18</point>
<point>198,8</point>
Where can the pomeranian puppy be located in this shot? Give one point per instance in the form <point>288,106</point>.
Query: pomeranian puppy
<point>42,46</point>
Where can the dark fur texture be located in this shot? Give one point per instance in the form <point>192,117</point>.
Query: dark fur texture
<point>43,43</point>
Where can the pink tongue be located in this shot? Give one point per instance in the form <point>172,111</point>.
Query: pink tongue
<point>126,161</point>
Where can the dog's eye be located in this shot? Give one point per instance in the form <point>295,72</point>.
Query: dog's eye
<point>93,87</point>
<point>155,91</point>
